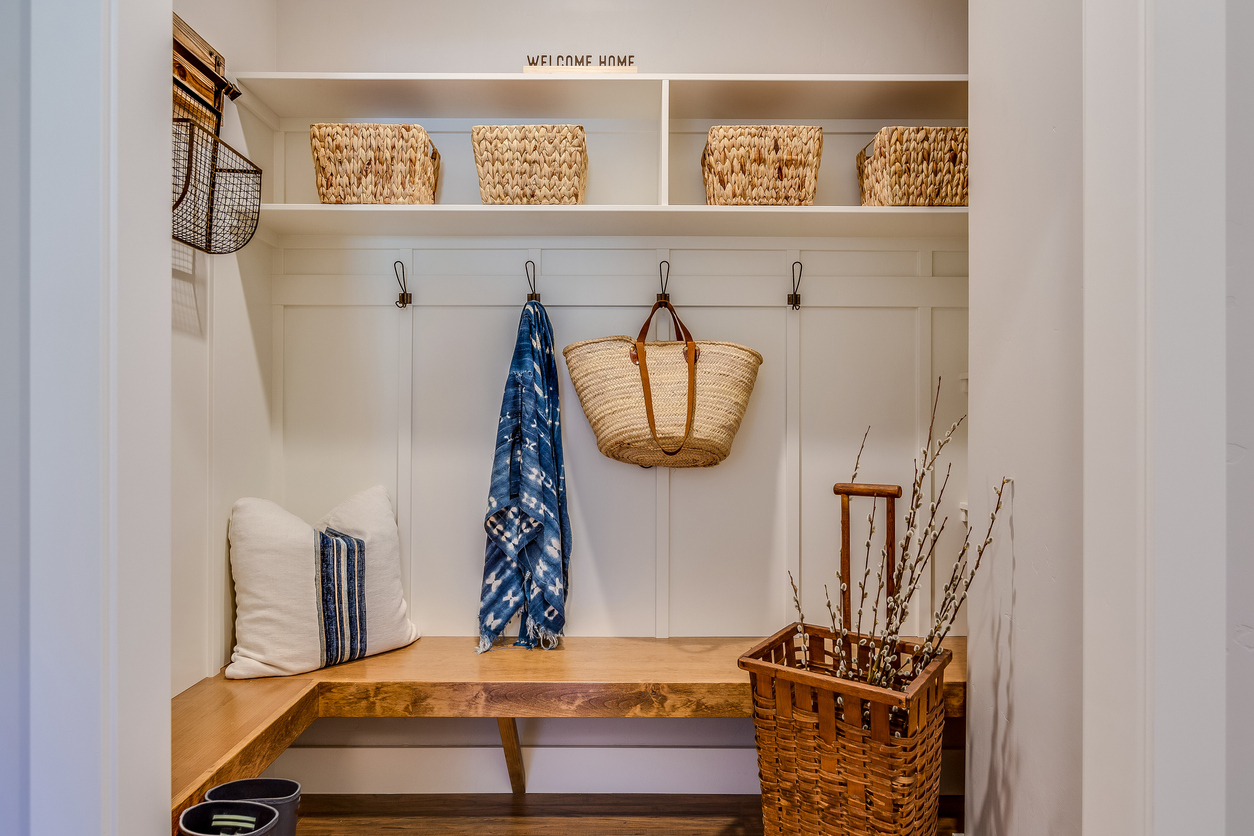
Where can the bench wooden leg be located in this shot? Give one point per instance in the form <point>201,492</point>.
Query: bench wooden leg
<point>513,754</point>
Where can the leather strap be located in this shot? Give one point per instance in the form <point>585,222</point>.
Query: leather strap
<point>690,355</point>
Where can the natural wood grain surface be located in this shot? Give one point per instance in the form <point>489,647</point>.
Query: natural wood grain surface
<point>863,489</point>
<point>222,730</point>
<point>513,754</point>
<point>499,815</point>
<point>578,659</point>
<point>585,677</point>
<point>534,699</point>
<point>956,677</point>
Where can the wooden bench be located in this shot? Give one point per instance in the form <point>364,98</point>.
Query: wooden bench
<point>229,729</point>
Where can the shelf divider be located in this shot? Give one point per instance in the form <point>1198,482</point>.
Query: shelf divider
<point>664,147</point>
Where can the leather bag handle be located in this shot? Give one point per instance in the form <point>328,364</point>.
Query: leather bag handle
<point>690,355</point>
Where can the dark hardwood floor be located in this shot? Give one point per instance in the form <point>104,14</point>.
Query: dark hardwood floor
<point>531,815</point>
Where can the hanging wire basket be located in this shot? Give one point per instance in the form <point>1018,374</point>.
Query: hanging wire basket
<point>189,104</point>
<point>216,191</point>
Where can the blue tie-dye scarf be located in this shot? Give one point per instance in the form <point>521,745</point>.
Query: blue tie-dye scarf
<point>528,552</point>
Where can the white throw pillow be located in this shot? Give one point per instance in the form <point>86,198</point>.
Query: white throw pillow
<point>310,597</point>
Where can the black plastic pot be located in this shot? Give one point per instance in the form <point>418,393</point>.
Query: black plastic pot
<point>281,794</point>
<point>225,818</point>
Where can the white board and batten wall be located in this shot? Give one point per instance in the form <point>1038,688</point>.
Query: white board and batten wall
<point>304,383</point>
<point>368,394</point>
<point>363,393</point>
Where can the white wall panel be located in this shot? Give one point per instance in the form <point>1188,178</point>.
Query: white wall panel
<point>458,181</point>
<point>471,261</point>
<point>299,181</point>
<point>624,769</point>
<point>949,361</point>
<point>191,480</point>
<point>566,261</point>
<point>612,507</point>
<point>221,378</point>
<point>858,369</point>
<point>860,262</point>
<point>950,263</point>
<point>242,410</point>
<point>727,262</point>
<point>1026,614</point>
<point>338,262</point>
<point>1240,610</point>
<point>727,537</point>
<point>656,552</point>
<point>461,357</point>
<point>221,439</point>
<point>339,405</point>
<point>14,420</point>
<point>913,36</point>
<point>723,568</point>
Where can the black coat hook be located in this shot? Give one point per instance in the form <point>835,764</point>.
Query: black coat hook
<point>794,298</point>
<point>405,298</point>
<point>530,269</point>
<point>664,279</point>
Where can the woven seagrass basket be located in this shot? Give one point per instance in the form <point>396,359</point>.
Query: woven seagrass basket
<point>838,757</point>
<point>914,167</point>
<point>520,164</point>
<point>372,163</point>
<point>761,165</point>
<point>663,411</point>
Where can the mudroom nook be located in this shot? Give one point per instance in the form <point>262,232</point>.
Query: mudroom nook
<point>626,418</point>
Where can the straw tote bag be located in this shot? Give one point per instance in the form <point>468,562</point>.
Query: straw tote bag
<point>674,403</point>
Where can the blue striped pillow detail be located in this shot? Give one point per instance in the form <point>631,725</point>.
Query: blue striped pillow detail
<point>341,596</point>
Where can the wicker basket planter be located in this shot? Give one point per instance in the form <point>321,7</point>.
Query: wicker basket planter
<point>521,164</point>
<point>914,167</point>
<point>842,757</point>
<point>372,163</point>
<point>761,165</point>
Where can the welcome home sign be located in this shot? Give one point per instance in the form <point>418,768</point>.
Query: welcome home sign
<point>587,63</point>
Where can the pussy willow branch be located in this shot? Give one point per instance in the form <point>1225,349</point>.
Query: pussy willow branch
<point>916,485</point>
<point>858,460</point>
<point>910,568</point>
<point>956,589</point>
<point>875,610</point>
<point>837,630</point>
<point>900,609</point>
<point>866,574</point>
<point>801,624</point>
<point>918,541</point>
<point>916,564</point>
<point>917,547</point>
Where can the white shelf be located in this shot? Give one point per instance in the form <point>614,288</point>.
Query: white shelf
<point>530,95</point>
<point>741,221</point>
<point>644,146</point>
<point>349,96</point>
<point>820,97</point>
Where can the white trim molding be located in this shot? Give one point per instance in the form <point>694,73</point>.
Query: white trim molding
<point>1154,418</point>
<point>99,420</point>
